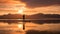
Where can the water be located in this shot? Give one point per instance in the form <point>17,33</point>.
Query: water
<point>6,28</point>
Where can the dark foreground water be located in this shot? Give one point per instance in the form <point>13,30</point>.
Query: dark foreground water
<point>30,28</point>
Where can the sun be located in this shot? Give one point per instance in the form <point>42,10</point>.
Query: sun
<point>21,10</point>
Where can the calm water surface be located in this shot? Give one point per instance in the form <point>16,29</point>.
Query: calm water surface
<point>6,28</point>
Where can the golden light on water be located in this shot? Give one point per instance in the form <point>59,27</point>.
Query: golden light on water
<point>20,25</point>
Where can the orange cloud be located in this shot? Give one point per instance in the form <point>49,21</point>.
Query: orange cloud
<point>10,4</point>
<point>16,5</point>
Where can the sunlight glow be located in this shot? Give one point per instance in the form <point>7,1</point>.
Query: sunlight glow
<point>20,25</point>
<point>20,11</point>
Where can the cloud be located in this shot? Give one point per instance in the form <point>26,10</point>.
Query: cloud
<point>40,3</point>
<point>10,5</point>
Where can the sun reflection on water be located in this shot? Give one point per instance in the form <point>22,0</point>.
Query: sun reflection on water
<point>20,25</point>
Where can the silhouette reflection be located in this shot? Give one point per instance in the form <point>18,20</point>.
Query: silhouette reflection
<point>33,21</point>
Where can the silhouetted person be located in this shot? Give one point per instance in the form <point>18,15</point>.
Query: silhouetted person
<point>23,21</point>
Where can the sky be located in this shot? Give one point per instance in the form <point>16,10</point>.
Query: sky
<point>32,6</point>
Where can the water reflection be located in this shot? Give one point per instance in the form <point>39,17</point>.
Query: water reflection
<point>10,32</point>
<point>33,21</point>
<point>40,32</point>
<point>13,28</point>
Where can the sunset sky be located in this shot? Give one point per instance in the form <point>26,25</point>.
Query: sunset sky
<point>31,6</point>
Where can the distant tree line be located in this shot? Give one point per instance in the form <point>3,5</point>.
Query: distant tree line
<point>35,16</point>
